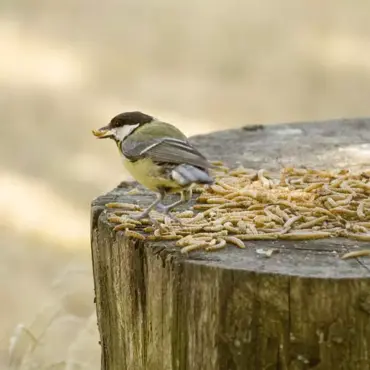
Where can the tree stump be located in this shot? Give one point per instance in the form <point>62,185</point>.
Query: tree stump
<point>303,308</point>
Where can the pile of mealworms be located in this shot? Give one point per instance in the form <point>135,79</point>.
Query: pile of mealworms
<point>245,204</point>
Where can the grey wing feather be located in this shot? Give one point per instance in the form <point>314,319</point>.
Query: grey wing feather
<point>166,150</point>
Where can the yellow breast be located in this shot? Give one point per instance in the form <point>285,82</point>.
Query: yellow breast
<point>149,174</point>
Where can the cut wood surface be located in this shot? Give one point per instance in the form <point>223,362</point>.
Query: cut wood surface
<point>301,308</point>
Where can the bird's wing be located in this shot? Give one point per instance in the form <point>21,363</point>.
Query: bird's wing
<point>166,150</point>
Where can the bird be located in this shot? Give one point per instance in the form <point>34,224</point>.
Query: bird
<point>159,156</point>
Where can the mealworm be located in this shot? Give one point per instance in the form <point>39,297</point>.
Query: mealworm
<point>129,206</point>
<point>281,213</point>
<point>291,221</point>
<point>193,247</point>
<point>114,219</point>
<point>360,211</point>
<point>131,220</point>
<point>238,171</point>
<point>242,226</point>
<point>365,224</point>
<point>198,189</point>
<point>274,217</point>
<point>124,226</point>
<point>159,232</point>
<point>359,229</point>
<point>164,237</point>
<point>345,201</point>
<point>359,237</point>
<point>133,191</point>
<point>134,234</point>
<point>341,210</point>
<point>194,229</point>
<point>271,236</point>
<point>184,241</point>
<point>323,211</point>
<point>232,195</point>
<point>217,200</point>
<point>153,221</point>
<point>214,228</point>
<point>185,214</point>
<point>221,244</point>
<point>234,240</point>
<point>227,186</point>
<point>148,229</point>
<point>312,187</point>
<point>265,182</point>
<point>362,185</point>
<point>197,218</point>
<point>202,206</point>
<point>254,207</point>
<point>252,228</point>
<point>307,225</point>
<point>354,254</point>
<point>229,227</point>
<point>241,199</point>
<point>305,235</point>
<point>219,189</point>
<point>213,234</point>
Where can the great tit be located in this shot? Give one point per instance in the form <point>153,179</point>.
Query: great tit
<point>158,155</point>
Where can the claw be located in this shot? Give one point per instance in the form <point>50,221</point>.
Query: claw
<point>155,222</point>
<point>139,216</point>
<point>166,211</point>
<point>142,215</point>
<point>174,218</point>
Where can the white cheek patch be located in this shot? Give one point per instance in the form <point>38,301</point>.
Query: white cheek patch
<point>122,132</point>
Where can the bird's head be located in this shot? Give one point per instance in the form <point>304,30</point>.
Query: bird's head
<point>122,125</point>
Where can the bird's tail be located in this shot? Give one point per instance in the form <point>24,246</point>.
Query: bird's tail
<point>186,174</point>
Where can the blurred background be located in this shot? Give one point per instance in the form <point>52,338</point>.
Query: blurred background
<point>67,67</point>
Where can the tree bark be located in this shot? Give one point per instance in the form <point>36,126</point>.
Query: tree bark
<point>303,308</point>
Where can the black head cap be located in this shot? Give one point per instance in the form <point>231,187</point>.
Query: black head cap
<point>130,118</point>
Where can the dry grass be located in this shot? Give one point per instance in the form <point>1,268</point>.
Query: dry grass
<point>63,334</point>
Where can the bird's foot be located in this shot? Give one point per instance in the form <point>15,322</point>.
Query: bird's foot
<point>142,215</point>
<point>166,210</point>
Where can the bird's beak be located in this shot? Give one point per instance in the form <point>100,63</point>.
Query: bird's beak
<point>103,133</point>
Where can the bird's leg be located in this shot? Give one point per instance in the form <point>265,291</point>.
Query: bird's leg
<point>166,209</point>
<point>189,195</point>
<point>145,213</point>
